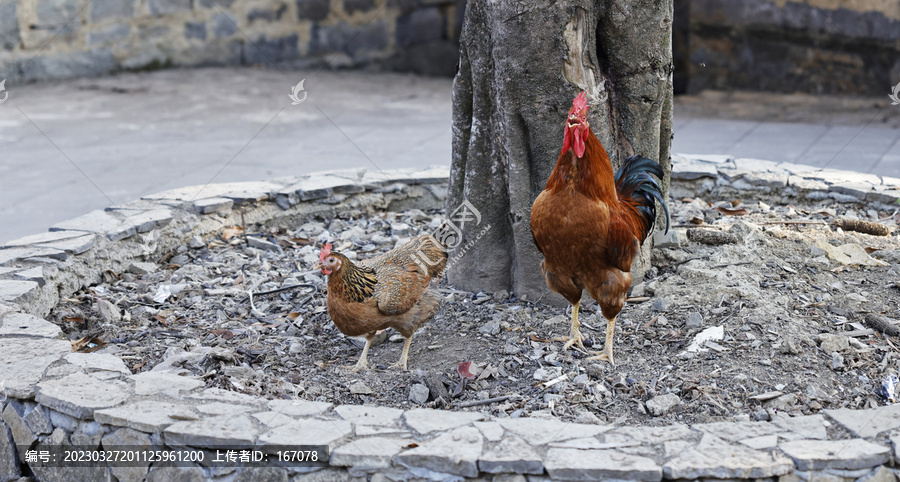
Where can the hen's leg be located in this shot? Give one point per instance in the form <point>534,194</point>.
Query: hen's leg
<point>404,357</point>
<point>363,363</point>
<point>608,347</point>
<point>576,336</point>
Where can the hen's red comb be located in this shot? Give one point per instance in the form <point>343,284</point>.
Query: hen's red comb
<point>326,250</point>
<point>580,102</point>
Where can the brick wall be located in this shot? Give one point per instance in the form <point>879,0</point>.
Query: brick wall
<point>816,46</point>
<point>51,39</point>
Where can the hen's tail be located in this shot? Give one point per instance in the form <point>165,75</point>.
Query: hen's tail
<point>637,188</point>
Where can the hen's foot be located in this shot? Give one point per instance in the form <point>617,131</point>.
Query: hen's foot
<point>607,355</point>
<point>400,364</point>
<point>361,365</point>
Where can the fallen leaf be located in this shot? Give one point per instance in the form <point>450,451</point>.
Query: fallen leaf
<point>696,220</point>
<point>162,319</point>
<point>463,370</point>
<point>736,203</point>
<point>293,315</point>
<point>539,339</point>
<point>732,212</point>
<point>231,232</point>
<point>226,334</point>
<point>74,319</point>
<point>88,344</point>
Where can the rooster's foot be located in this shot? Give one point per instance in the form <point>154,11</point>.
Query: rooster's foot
<point>576,339</point>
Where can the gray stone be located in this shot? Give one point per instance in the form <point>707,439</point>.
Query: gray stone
<point>315,10</point>
<point>108,35</point>
<point>14,291</point>
<point>24,361</point>
<point>688,170</point>
<point>693,321</point>
<point>490,328</point>
<point>146,416</point>
<point>111,9</point>
<point>367,415</point>
<point>163,473</point>
<point>79,395</point>
<point>73,245</point>
<point>266,51</point>
<point>713,457</point>
<point>224,25</point>
<point>109,312</point>
<point>152,383</point>
<point>213,432</point>
<point>99,222</point>
<point>511,455</point>
<point>272,419</point>
<point>57,15</point>
<point>808,427</point>
<point>859,190</point>
<point>420,26</point>
<point>7,256</point>
<point>239,192</point>
<point>38,421</point>
<point>35,274</point>
<point>418,393</point>
<point>538,432</point>
<point>424,420</point>
<point>454,453</point>
<point>262,243</point>
<point>9,466</point>
<point>163,7</point>
<point>96,362</point>
<point>141,268</point>
<point>574,464</point>
<point>13,415</point>
<point>70,64</point>
<point>9,33</point>
<point>662,404</point>
<point>761,443</point>
<point>213,205</point>
<point>145,220</point>
<point>370,453</point>
<point>131,438</point>
<point>775,180</point>
<point>221,395</point>
<point>23,324</point>
<point>314,187</point>
<point>835,454</point>
<point>195,30</point>
<point>879,474</point>
<point>299,408</point>
<point>42,238</point>
<point>309,432</point>
<point>492,431</point>
<point>860,422</point>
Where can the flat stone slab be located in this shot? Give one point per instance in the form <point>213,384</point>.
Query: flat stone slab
<point>807,427</point>
<point>366,415</point>
<point>213,205</point>
<point>574,464</point>
<point>537,431</point>
<point>92,362</point>
<point>272,419</point>
<point>13,291</point>
<point>369,453</point>
<point>425,420</point>
<point>213,432</point>
<point>99,222</point>
<point>10,255</point>
<point>23,324</point>
<point>454,453</point>
<point>42,238</point>
<point>77,245</point>
<point>239,192</point>
<point>867,423</point>
<point>492,431</point>
<point>152,383</point>
<point>148,416</point>
<point>836,454</point>
<point>35,274</point>
<point>79,395</point>
<point>222,408</point>
<point>737,431</point>
<point>511,455</point>
<point>309,432</point>
<point>221,395</point>
<point>23,361</point>
<point>299,408</point>
<point>713,457</point>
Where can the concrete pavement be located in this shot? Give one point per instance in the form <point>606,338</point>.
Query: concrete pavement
<point>71,147</point>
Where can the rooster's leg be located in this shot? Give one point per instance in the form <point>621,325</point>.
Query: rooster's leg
<point>608,347</point>
<point>363,363</point>
<point>576,338</point>
<point>404,357</point>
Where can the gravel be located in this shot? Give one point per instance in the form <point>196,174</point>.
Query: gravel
<point>772,314</point>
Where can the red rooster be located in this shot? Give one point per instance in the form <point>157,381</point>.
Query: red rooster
<point>589,224</point>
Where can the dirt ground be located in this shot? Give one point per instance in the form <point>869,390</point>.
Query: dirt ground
<point>783,315</point>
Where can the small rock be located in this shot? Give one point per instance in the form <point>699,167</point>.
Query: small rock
<point>761,416</point>
<point>490,328</point>
<point>109,312</point>
<point>694,321</point>
<point>556,320</point>
<point>582,379</point>
<point>141,268</point>
<point>662,404</point>
<point>830,343</point>
<point>662,321</point>
<point>360,388</point>
<point>296,348</point>
<point>711,237</point>
<point>511,349</point>
<point>196,243</point>
<point>400,229</point>
<point>502,295</point>
<point>418,393</point>
<point>659,304</point>
<point>180,260</point>
<point>791,347</point>
<point>262,243</point>
<point>837,361</point>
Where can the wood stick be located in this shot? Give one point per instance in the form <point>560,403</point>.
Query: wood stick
<point>486,401</point>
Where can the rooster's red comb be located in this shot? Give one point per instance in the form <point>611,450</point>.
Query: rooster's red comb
<point>326,250</point>
<point>580,102</point>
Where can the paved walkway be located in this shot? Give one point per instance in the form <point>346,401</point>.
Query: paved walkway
<point>67,148</point>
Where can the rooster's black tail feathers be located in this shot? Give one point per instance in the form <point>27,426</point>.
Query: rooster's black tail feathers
<point>634,181</point>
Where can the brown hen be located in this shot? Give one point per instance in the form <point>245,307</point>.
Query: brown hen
<point>388,290</point>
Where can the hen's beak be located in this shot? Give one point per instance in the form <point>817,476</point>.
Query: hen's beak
<point>318,266</point>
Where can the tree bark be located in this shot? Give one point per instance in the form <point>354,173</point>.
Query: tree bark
<point>521,64</point>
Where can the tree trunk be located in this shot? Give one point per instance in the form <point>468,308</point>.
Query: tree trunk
<point>521,64</point>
